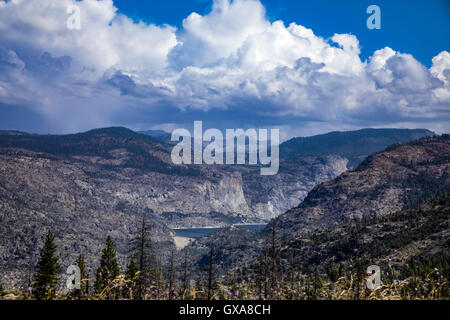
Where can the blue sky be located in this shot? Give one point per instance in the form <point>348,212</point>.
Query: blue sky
<point>306,67</point>
<point>415,26</point>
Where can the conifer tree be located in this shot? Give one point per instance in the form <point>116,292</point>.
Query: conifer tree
<point>131,275</point>
<point>83,277</point>
<point>317,284</point>
<point>46,276</point>
<point>199,291</point>
<point>108,270</point>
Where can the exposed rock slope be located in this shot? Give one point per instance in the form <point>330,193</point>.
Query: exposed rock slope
<point>384,183</point>
<point>129,169</point>
<point>88,185</point>
<point>321,228</point>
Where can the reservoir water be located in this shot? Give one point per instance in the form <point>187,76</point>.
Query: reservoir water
<point>201,232</point>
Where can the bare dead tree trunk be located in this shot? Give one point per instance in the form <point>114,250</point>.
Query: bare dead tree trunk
<point>171,275</point>
<point>274,257</point>
<point>185,275</point>
<point>142,245</point>
<point>210,271</point>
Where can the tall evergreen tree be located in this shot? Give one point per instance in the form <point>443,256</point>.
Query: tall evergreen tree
<point>83,277</point>
<point>317,284</point>
<point>46,276</point>
<point>131,275</point>
<point>108,270</point>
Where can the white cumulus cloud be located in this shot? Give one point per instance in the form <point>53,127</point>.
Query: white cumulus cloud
<point>226,66</point>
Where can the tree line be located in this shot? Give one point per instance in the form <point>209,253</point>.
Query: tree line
<point>142,277</point>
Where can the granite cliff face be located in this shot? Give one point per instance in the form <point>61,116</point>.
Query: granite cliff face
<point>270,196</point>
<point>126,169</point>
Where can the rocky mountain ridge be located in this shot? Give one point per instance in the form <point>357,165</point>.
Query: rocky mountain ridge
<point>86,186</point>
<point>383,183</point>
<point>136,170</point>
<point>386,191</point>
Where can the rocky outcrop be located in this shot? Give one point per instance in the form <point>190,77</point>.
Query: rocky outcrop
<point>269,196</point>
<point>384,183</point>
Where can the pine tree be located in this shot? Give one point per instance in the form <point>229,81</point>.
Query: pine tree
<point>199,291</point>
<point>83,277</point>
<point>341,270</point>
<point>107,271</point>
<point>317,284</point>
<point>46,276</point>
<point>131,275</point>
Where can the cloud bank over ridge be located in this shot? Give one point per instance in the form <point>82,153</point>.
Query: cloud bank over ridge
<point>231,67</point>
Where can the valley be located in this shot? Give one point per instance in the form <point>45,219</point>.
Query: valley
<point>89,185</point>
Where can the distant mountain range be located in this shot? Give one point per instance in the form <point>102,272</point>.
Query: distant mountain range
<point>157,134</point>
<point>87,185</point>
<point>304,163</point>
<point>353,145</point>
